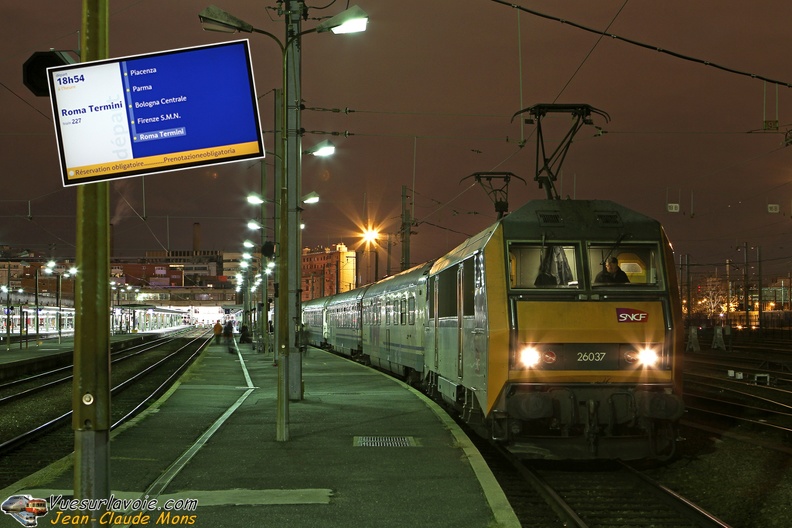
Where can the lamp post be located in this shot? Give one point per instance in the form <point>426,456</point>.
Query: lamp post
<point>261,201</point>
<point>371,236</point>
<point>289,268</point>
<point>7,290</point>
<point>245,265</point>
<point>50,270</point>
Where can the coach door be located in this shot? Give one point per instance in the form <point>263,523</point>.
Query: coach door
<point>434,321</point>
<point>461,272</point>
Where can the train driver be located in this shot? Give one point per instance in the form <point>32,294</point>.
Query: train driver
<point>612,274</point>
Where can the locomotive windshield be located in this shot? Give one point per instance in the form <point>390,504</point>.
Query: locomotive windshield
<point>625,265</point>
<point>543,266</point>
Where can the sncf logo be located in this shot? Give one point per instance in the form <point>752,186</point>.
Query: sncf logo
<point>630,315</point>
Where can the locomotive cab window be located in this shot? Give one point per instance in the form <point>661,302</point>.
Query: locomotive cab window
<point>625,265</point>
<point>542,266</point>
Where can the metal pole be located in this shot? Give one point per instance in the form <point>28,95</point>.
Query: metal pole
<point>91,389</point>
<point>278,183</point>
<point>282,286</point>
<point>281,299</point>
<point>246,296</point>
<point>759,286</point>
<point>746,299</point>
<point>729,291</point>
<point>264,319</point>
<point>8,308</point>
<point>58,295</point>
<point>406,228</point>
<point>688,284</point>
<point>36,293</point>
<point>293,153</point>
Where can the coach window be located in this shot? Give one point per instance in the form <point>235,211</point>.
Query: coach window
<point>404,311</point>
<point>447,292</point>
<point>396,312</point>
<point>430,297</point>
<point>543,266</point>
<point>411,310</point>
<point>468,287</point>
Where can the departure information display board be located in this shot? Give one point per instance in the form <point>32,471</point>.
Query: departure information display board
<point>154,113</point>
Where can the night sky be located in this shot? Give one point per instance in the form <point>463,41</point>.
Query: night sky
<point>424,98</point>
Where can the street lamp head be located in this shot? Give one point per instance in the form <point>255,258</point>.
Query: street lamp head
<point>215,19</point>
<point>310,198</point>
<point>322,149</point>
<point>370,235</point>
<point>254,225</point>
<point>352,20</point>
<point>255,199</point>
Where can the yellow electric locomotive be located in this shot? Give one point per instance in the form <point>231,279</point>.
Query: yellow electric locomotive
<point>542,347</point>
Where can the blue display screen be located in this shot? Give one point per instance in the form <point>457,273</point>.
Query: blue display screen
<point>153,113</point>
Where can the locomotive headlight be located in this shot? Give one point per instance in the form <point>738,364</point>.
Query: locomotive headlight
<point>530,356</point>
<point>648,357</point>
<point>645,357</point>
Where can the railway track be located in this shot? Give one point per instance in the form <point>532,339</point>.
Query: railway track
<point>750,387</point>
<point>614,495</point>
<point>36,429</point>
<point>596,494</point>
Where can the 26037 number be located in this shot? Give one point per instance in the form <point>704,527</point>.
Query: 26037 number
<point>590,356</point>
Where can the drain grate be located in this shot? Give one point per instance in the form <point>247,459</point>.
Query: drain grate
<point>384,441</point>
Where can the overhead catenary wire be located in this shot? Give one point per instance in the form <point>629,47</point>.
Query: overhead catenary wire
<point>644,45</point>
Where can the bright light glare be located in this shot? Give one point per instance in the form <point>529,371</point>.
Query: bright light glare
<point>370,235</point>
<point>647,357</point>
<point>323,149</point>
<point>529,356</point>
<point>356,25</point>
<point>255,199</point>
<point>253,225</point>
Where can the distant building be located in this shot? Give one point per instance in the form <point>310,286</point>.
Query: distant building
<point>327,271</point>
<point>198,267</point>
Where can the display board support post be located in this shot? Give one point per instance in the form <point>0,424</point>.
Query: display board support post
<point>91,388</point>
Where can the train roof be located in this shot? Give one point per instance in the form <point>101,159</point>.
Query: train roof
<point>575,219</point>
<point>401,280</point>
<point>596,220</point>
<point>466,248</point>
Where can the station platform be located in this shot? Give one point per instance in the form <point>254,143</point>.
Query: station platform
<point>363,450</point>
